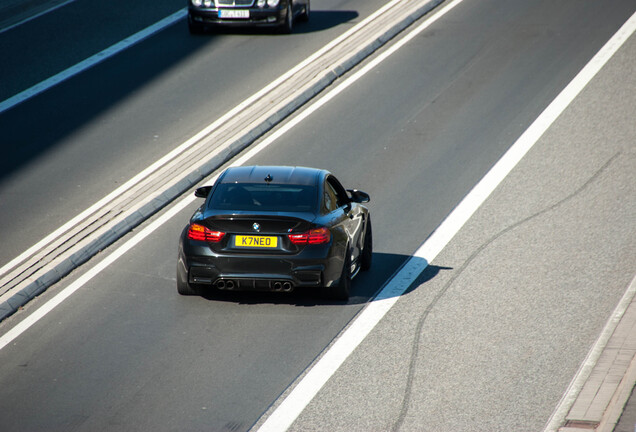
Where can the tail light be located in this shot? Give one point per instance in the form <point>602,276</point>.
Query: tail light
<point>314,236</point>
<point>201,233</point>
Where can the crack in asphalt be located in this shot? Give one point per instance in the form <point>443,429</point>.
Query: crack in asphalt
<point>418,331</point>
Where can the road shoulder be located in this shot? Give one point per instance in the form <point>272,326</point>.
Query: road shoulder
<point>555,244</point>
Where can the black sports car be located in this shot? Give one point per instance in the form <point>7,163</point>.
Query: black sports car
<point>275,228</point>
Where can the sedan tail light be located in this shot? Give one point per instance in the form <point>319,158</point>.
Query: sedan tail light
<point>201,233</point>
<point>314,236</point>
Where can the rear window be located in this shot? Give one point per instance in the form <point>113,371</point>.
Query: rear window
<point>264,197</point>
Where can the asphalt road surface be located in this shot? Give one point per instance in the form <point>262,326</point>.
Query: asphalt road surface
<point>125,352</point>
<point>70,146</point>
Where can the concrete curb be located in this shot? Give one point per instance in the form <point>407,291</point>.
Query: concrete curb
<point>616,406</point>
<point>33,275</point>
<point>599,404</point>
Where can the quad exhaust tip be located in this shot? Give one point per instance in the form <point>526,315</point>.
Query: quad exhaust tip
<point>280,286</point>
<point>223,284</point>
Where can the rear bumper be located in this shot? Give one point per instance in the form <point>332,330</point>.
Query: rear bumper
<point>313,267</point>
<point>299,278</point>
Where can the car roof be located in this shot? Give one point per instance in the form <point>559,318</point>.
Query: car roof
<point>276,175</point>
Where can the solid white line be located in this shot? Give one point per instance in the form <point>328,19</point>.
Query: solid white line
<point>190,142</point>
<point>38,15</point>
<point>291,407</point>
<point>91,61</point>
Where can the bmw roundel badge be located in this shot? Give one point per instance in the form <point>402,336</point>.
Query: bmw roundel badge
<point>256,226</point>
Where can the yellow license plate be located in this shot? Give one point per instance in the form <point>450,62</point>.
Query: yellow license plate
<point>256,241</point>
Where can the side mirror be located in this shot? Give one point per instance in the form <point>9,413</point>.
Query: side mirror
<point>202,192</point>
<point>359,196</point>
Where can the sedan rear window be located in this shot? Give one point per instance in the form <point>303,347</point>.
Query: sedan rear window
<point>264,197</point>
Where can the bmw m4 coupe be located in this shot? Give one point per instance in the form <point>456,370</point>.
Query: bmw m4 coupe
<point>276,228</point>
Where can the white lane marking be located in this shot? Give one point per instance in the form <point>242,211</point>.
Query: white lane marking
<point>91,61</point>
<point>38,15</point>
<point>291,407</point>
<point>190,142</point>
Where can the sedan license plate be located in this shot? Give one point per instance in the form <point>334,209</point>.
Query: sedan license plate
<point>234,13</point>
<point>255,241</point>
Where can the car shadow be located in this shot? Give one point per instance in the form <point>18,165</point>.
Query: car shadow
<point>319,21</point>
<point>323,20</point>
<point>365,286</point>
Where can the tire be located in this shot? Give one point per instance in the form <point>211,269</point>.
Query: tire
<point>305,15</point>
<point>183,286</point>
<point>367,252</point>
<point>288,25</point>
<point>341,290</point>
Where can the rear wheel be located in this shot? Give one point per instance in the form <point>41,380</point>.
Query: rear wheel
<point>183,286</point>
<point>341,290</point>
<point>367,252</point>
